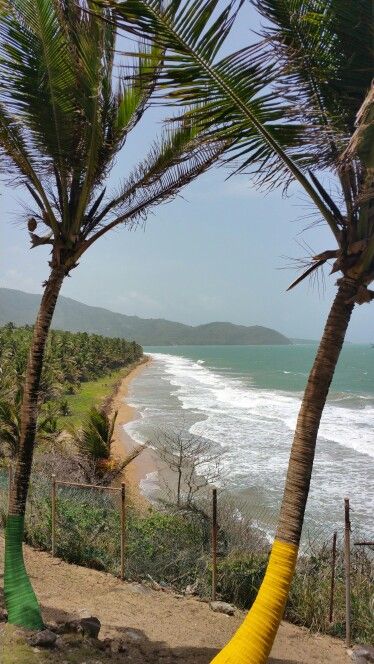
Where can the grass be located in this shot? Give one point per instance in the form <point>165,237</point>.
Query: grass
<point>92,393</point>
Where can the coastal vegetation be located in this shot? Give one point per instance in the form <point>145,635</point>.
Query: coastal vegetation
<point>296,104</point>
<point>67,106</point>
<point>171,546</point>
<point>74,428</point>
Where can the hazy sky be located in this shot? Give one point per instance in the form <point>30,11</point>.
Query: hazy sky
<point>222,252</point>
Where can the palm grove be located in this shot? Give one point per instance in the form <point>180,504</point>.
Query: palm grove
<point>297,105</point>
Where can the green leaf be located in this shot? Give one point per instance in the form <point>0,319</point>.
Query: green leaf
<point>234,90</point>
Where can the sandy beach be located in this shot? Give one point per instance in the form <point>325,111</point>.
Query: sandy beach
<point>123,444</point>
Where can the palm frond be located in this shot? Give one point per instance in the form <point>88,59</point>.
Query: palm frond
<point>178,158</point>
<point>94,438</point>
<point>20,163</point>
<point>323,55</point>
<point>235,89</point>
<point>38,73</point>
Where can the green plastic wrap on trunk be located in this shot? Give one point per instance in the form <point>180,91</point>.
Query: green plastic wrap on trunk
<point>20,600</point>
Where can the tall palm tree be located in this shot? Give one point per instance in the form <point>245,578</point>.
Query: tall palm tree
<point>297,103</point>
<point>66,109</point>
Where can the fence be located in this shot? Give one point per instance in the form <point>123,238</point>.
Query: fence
<point>218,548</point>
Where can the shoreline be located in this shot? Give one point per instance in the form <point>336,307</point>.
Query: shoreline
<point>138,469</point>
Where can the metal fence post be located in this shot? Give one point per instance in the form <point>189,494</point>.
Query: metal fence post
<point>214,545</point>
<point>332,590</point>
<point>123,529</point>
<point>53,523</point>
<point>10,482</point>
<point>347,565</point>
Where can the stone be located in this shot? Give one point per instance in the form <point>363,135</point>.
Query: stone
<point>223,607</point>
<point>133,635</point>
<point>3,615</point>
<point>362,654</point>
<point>90,627</point>
<point>53,626</point>
<point>192,589</point>
<point>140,589</point>
<point>104,644</point>
<point>43,639</point>
<point>358,660</point>
<point>118,645</point>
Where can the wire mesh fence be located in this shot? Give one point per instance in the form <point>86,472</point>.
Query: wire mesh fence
<point>225,558</point>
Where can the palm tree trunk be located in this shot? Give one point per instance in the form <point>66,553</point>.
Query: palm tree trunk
<point>253,641</point>
<point>20,600</point>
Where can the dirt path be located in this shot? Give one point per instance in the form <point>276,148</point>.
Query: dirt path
<point>167,629</point>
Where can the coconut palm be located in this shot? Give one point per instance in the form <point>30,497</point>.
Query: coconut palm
<point>94,442</point>
<point>296,104</point>
<point>66,109</point>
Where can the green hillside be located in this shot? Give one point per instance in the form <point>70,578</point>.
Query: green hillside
<point>20,308</point>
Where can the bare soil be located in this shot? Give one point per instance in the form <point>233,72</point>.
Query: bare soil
<point>158,626</point>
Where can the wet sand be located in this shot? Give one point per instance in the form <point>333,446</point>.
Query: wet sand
<point>147,462</point>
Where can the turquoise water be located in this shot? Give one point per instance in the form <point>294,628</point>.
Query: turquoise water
<point>244,400</point>
<point>283,367</point>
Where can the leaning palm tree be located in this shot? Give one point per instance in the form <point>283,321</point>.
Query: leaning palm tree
<point>66,108</point>
<point>297,103</point>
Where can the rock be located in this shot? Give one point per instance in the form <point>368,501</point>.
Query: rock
<point>3,615</point>
<point>43,639</point>
<point>154,585</point>
<point>84,613</point>
<point>104,644</point>
<point>132,635</point>
<point>192,589</point>
<point>68,627</point>
<point>118,645</point>
<point>223,607</point>
<point>362,654</point>
<point>90,627</point>
<point>358,660</point>
<point>53,626</point>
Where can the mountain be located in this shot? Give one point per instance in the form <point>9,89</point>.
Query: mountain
<point>20,308</point>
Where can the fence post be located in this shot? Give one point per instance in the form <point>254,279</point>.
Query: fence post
<point>53,504</point>
<point>214,545</point>
<point>347,561</point>
<point>332,591</point>
<point>123,530</point>
<point>10,482</point>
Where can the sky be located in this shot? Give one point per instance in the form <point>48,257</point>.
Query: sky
<point>222,251</point>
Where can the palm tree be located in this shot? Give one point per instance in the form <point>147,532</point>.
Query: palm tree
<point>297,103</point>
<point>94,442</point>
<point>66,109</point>
<point>10,426</point>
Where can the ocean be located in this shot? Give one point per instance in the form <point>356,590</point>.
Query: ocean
<point>245,400</point>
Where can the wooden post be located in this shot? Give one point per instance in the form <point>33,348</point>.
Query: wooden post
<point>214,545</point>
<point>123,529</point>
<point>10,482</point>
<point>333,563</point>
<point>53,505</point>
<point>347,565</point>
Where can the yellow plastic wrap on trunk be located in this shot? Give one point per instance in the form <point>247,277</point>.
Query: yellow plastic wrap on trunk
<point>252,642</point>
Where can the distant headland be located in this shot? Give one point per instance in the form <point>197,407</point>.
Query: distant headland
<point>20,308</point>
